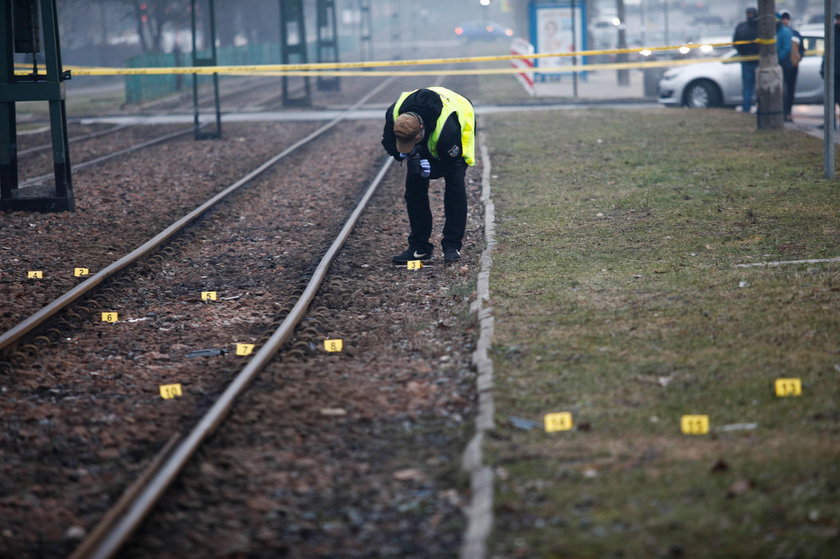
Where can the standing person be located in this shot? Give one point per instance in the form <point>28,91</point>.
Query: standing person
<point>747,31</point>
<point>433,129</point>
<point>784,45</point>
<point>797,51</point>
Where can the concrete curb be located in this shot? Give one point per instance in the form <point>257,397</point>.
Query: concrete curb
<point>480,509</point>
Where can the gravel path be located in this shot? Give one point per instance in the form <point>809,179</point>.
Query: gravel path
<point>330,455</point>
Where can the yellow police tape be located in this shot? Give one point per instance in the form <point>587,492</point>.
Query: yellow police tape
<point>319,68</point>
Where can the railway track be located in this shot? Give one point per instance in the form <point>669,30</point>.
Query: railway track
<point>163,319</point>
<point>122,521</point>
<point>11,337</point>
<point>32,181</point>
<point>92,135</point>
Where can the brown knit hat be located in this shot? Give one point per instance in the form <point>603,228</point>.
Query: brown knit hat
<point>407,129</point>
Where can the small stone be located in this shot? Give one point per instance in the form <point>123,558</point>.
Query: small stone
<point>333,412</point>
<point>409,474</point>
<point>75,533</point>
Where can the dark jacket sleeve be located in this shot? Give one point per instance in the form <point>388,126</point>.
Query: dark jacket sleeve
<point>389,141</point>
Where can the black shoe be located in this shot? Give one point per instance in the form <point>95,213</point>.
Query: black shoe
<point>411,254</point>
<point>451,255</point>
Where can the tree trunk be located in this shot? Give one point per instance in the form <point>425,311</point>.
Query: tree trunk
<point>769,79</point>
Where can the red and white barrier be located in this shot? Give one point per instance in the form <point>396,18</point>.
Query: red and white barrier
<point>521,46</point>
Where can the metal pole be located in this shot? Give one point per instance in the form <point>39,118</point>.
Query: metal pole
<point>622,75</point>
<point>194,76</point>
<point>574,50</point>
<point>216,99</point>
<point>828,92</point>
<point>58,111</point>
<point>8,122</point>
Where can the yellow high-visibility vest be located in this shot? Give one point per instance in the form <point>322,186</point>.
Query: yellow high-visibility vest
<point>452,102</point>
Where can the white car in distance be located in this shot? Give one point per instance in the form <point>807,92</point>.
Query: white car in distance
<point>717,83</point>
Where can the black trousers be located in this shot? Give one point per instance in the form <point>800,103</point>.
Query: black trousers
<point>789,78</point>
<point>454,206</point>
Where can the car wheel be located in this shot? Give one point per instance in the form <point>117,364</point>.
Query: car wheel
<point>701,94</point>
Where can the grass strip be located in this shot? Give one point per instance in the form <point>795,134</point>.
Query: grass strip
<point>617,298</point>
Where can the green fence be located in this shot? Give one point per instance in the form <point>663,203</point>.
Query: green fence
<point>146,88</point>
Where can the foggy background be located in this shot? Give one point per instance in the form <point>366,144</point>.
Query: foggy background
<point>108,32</point>
<point>138,33</point>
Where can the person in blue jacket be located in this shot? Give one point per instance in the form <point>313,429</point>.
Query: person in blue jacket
<point>784,44</point>
<point>790,74</point>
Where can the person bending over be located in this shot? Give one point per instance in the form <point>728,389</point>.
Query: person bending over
<point>433,131</point>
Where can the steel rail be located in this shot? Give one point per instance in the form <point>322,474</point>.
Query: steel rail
<point>78,166</point>
<point>27,326</point>
<point>115,537</point>
<point>76,139</point>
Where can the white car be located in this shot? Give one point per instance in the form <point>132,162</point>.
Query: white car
<point>718,83</point>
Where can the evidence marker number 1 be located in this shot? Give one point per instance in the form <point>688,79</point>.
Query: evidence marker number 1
<point>560,421</point>
<point>788,387</point>
<point>169,391</point>
<point>694,424</point>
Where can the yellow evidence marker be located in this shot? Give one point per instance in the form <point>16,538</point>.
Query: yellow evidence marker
<point>244,349</point>
<point>333,345</point>
<point>560,421</point>
<point>694,424</point>
<point>208,296</point>
<point>168,391</point>
<point>79,272</point>
<point>414,264</point>
<point>788,387</point>
<point>34,274</point>
<point>110,317</point>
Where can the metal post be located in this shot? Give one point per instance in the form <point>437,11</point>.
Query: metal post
<point>214,56</point>
<point>624,74</point>
<point>327,43</point>
<point>395,28</point>
<point>828,92</point>
<point>365,33</point>
<point>210,26</point>
<point>293,45</point>
<point>769,75</point>
<point>58,113</point>
<point>574,50</point>
<point>8,125</point>
<point>20,21</point>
